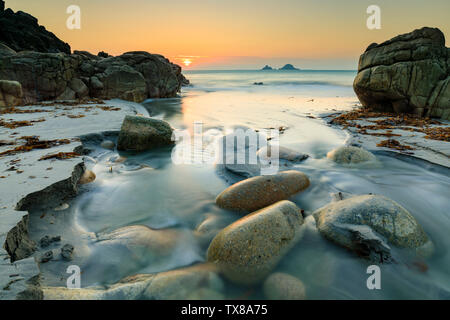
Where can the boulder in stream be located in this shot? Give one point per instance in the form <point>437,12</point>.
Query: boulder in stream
<point>141,134</point>
<point>369,224</point>
<point>350,155</point>
<point>259,192</point>
<point>250,248</point>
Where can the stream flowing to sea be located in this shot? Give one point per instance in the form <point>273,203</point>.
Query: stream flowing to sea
<point>149,189</point>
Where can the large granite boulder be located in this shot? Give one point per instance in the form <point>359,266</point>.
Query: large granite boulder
<point>10,93</point>
<point>369,225</point>
<point>250,248</point>
<point>141,134</point>
<point>409,73</point>
<point>21,31</point>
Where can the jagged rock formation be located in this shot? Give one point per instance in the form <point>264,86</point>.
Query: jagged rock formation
<point>50,72</point>
<point>21,31</point>
<point>267,67</point>
<point>409,73</point>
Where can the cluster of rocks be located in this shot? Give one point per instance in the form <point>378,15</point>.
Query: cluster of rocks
<point>133,76</point>
<point>248,251</point>
<point>46,70</point>
<point>66,251</point>
<point>409,73</point>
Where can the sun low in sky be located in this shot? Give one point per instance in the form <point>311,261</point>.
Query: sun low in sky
<point>237,34</point>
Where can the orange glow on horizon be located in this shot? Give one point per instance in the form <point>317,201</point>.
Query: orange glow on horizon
<point>235,33</point>
<point>187,62</point>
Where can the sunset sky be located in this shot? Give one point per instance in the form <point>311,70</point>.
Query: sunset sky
<point>237,34</point>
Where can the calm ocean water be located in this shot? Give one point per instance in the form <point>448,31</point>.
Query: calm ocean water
<point>329,80</point>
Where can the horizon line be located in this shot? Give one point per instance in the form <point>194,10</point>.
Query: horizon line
<point>355,70</point>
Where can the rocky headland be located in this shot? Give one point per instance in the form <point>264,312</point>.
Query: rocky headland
<point>46,69</point>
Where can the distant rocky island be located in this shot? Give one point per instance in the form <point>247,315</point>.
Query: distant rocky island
<point>288,67</point>
<point>285,67</point>
<point>37,66</point>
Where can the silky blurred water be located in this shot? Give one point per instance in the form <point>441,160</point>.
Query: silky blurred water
<point>149,189</point>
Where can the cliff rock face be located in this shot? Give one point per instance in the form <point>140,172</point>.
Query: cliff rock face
<point>133,76</point>
<point>21,31</point>
<point>409,73</point>
<point>47,70</point>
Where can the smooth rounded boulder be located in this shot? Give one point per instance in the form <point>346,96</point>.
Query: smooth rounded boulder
<point>250,248</point>
<point>283,286</point>
<point>140,134</point>
<point>259,192</point>
<point>350,155</point>
<point>369,224</point>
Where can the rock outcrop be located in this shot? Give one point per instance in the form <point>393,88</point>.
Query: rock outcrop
<point>133,76</point>
<point>47,70</point>
<point>407,74</point>
<point>21,31</point>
